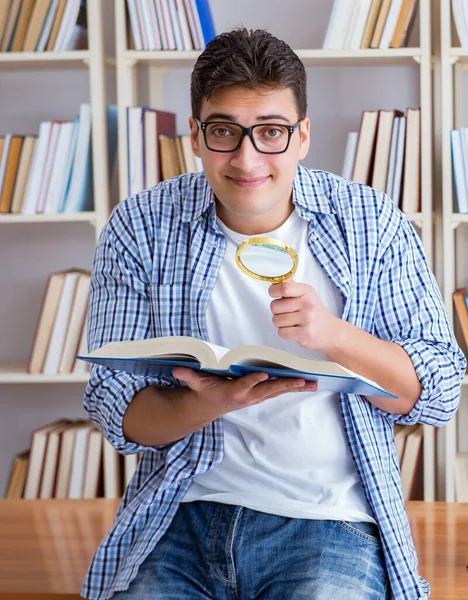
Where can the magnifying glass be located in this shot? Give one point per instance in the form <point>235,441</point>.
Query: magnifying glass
<point>266,259</point>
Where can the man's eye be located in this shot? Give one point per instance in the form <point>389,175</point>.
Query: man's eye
<point>273,132</point>
<point>221,132</point>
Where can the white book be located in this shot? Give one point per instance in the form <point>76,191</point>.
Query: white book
<point>335,34</point>
<point>176,25</point>
<point>350,154</point>
<point>392,159</point>
<point>53,197</point>
<point>184,26</point>
<point>76,484</point>
<point>360,25</point>
<point>400,157</point>
<point>65,34</point>
<point>78,190</point>
<point>460,17</point>
<point>351,24</point>
<point>135,150</point>
<point>458,170</point>
<point>150,149</point>
<point>49,161</point>
<point>161,25</point>
<point>146,27</point>
<point>135,25</point>
<point>47,27</point>
<point>390,24</point>
<point>199,163</point>
<point>4,158</point>
<point>112,476</point>
<point>37,166</point>
<point>195,25</point>
<point>93,464</point>
<point>149,13</point>
<point>464,150</point>
<point>59,331</point>
<point>130,466</point>
<point>80,366</point>
<point>412,169</point>
<point>68,169</point>
<point>167,23</point>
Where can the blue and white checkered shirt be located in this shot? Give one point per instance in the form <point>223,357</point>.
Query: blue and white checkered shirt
<point>155,267</point>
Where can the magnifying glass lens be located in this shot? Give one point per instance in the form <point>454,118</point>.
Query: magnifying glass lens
<point>266,259</point>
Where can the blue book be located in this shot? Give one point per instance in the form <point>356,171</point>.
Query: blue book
<point>157,356</point>
<point>206,20</point>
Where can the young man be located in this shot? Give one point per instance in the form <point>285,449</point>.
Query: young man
<point>256,489</point>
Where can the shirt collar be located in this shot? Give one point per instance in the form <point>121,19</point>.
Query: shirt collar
<point>309,196</point>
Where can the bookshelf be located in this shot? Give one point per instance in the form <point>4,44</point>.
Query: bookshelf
<point>62,239</point>
<point>148,71</point>
<point>453,66</point>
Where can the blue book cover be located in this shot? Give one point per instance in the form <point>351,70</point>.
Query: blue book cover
<point>206,20</point>
<point>155,357</point>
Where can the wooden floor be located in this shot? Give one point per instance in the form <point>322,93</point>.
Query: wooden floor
<point>46,546</point>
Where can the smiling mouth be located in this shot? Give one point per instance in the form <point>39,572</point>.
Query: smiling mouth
<point>249,182</point>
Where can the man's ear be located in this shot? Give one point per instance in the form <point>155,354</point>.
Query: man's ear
<point>304,132</point>
<point>194,136</point>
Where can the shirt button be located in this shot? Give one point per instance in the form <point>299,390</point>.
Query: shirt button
<point>215,243</point>
<point>314,237</point>
<point>200,219</point>
<point>203,283</point>
<point>343,279</point>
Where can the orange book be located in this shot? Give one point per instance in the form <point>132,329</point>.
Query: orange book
<point>38,18</point>
<point>371,21</point>
<point>403,24</point>
<point>13,159</point>
<point>380,25</point>
<point>56,25</point>
<point>22,25</point>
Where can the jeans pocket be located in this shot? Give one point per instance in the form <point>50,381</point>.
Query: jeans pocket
<point>363,530</point>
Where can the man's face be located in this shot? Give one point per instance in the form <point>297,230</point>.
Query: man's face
<point>253,190</point>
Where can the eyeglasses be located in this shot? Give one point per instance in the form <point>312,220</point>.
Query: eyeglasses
<point>267,138</point>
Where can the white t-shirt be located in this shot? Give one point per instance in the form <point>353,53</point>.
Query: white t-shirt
<point>288,455</point>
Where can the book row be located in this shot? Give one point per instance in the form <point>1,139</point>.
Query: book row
<point>359,24</point>
<point>72,459</point>
<point>170,24</point>
<point>52,172</point>
<point>460,18</point>
<point>154,151</point>
<point>61,328</point>
<point>43,25</point>
<point>386,154</point>
<point>69,459</point>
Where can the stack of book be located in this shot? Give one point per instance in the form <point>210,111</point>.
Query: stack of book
<point>459,141</point>
<point>409,447</point>
<point>356,24</point>
<point>154,151</point>
<point>61,328</point>
<point>52,172</point>
<point>170,24</point>
<point>38,25</point>
<point>460,17</point>
<point>386,154</point>
<point>70,459</point>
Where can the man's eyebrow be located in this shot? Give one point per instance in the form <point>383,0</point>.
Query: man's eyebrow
<point>226,117</point>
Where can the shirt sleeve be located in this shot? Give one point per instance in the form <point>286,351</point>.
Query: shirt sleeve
<point>119,310</point>
<point>410,312</point>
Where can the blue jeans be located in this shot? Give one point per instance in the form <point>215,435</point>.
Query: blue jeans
<point>221,552</point>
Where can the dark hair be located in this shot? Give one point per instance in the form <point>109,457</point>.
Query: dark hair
<point>250,59</point>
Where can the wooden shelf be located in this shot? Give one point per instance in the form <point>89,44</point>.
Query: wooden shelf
<point>460,54</point>
<point>16,373</point>
<point>310,58</point>
<point>89,217</point>
<point>44,60</point>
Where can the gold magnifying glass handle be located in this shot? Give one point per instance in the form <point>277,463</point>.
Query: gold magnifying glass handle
<point>274,244</point>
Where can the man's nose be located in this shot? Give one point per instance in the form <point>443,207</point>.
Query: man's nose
<point>246,156</point>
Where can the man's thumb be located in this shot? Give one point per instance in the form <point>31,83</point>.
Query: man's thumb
<point>186,375</point>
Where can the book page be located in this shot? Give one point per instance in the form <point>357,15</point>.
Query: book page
<point>220,351</point>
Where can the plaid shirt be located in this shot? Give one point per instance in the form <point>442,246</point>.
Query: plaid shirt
<point>155,267</point>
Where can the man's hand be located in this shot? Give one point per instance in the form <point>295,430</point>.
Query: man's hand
<point>220,396</point>
<point>300,316</point>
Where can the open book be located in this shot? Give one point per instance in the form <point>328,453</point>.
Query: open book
<point>157,356</point>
